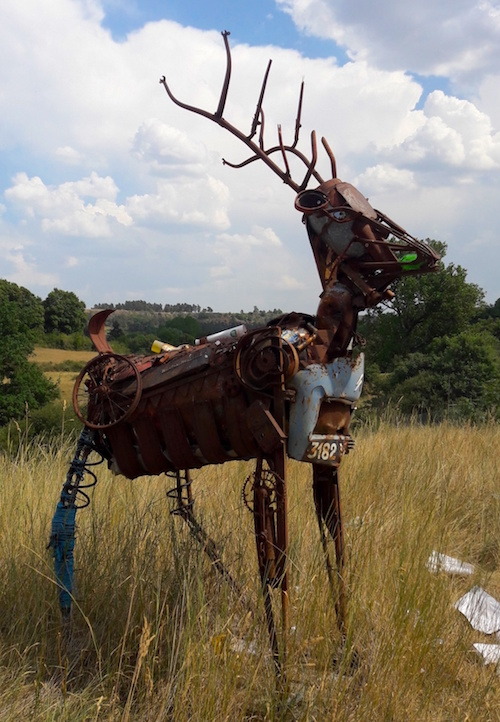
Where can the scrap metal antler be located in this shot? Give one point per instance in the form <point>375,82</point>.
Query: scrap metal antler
<point>259,152</point>
<point>286,389</point>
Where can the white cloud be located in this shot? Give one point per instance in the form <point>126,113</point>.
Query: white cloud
<point>384,178</point>
<point>202,202</point>
<point>454,132</point>
<point>63,208</point>
<point>454,38</point>
<point>487,99</point>
<point>27,274</point>
<point>168,149</point>
<point>220,272</point>
<point>228,242</point>
<point>288,283</point>
<point>69,155</point>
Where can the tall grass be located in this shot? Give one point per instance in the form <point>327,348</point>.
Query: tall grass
<point>156,635</point>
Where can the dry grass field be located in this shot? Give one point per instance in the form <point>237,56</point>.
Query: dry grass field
<point>157,635</point>
<point>59,355</point>
<point>50,358</point>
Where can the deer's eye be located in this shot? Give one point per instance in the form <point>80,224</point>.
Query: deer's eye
<point>310,201</point>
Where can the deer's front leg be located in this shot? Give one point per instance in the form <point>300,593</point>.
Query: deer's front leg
<point>328,511</point>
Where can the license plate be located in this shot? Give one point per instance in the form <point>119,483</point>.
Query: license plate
<point>326,450</point>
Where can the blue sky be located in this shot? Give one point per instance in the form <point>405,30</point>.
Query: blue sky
<point>259,22</point>
<point>108,190</point>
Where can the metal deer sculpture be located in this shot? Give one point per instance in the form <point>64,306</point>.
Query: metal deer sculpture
<point>287,389</point>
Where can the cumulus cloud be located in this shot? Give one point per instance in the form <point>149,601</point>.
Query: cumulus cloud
<point>25,272</point>
<point>454,38</point>
<point>384,178</point>
<point>220,271</point>
<point>455,133</point>
<point>63,208</point>
<point>202,202</point>
<point>69,155</point>
<point>288,283</point>
<point>239,251</point>
<point>258,237</point>
<point>168,149</point>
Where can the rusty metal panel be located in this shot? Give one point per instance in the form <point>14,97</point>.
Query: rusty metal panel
<point>123,443</point>
<point>265,430</point>
<point>150,446</point>
<point>176,441</point>
<point>206,434</point>
<point>238,432</point>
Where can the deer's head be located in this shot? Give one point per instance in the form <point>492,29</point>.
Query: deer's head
<point>351,240</point>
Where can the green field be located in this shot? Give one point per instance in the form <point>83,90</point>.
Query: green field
<point>157,636</point>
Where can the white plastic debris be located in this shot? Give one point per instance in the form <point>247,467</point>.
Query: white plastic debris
<point>239,646</point>
<point>481,609</point>
<point>438,562</point>
<point>489,652</point>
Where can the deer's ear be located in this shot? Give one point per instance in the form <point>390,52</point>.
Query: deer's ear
<point>355,199</point>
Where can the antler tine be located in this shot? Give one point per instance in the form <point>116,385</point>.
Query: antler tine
<point>275,149</point>
<point>225,87</point>
<point>299,113</point>
<point>217,116</point>
<point>283,151</point>
<point>257,149</point>
<point>261,131</point>
<point>310,169</point>
<point>185,106</point>
<point>331,156</point>
<point>258,109</point>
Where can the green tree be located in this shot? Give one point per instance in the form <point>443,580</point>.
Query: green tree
<point>116,331</point>
<point>64,312</point>
<point>425,307</point>
<point>456,376</point>
<point>492,311</point>
<point>187,324</point>
<point>23,385</point>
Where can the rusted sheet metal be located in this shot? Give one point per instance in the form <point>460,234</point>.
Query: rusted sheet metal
<point>125,458</point>
<point>207,408</point>
<point>97,331</point>
<point>150,444</point>
<point>206,432</point>
<point>236,425</point>
<point>266,431</point>
<point>176,440</point>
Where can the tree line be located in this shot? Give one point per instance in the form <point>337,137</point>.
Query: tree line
<point>434,350</point>
<point>140,305</point>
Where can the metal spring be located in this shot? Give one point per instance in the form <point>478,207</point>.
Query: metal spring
<point>72,491</point>
<point>181,492</point>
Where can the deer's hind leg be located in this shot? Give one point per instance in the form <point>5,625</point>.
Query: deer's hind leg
<point>329,515</point>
